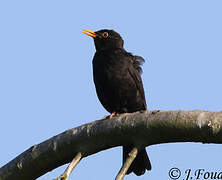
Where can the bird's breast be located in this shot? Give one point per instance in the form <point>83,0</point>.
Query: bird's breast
<point>109,63</point>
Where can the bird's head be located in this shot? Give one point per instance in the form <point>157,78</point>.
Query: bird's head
<point>105,39</point>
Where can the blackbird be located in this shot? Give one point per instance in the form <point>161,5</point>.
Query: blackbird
<point>119,87</point>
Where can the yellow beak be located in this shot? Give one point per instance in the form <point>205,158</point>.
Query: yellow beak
<point>90,33</point>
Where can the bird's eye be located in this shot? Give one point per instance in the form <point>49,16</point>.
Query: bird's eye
<point>105,34</point>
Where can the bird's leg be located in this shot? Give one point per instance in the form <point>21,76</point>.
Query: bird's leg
<point>155,111</point>
<point>112,114</point>
<point>132,155</point>
<point>65,175</point>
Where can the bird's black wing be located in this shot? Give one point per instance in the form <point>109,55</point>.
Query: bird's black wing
<point>135,71</point>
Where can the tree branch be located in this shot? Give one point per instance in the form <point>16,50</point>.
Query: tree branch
<point>70,168</point>
<point>126,165</point>
<point>146,128</point>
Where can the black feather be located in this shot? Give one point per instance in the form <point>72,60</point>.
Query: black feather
<point>119,87</point>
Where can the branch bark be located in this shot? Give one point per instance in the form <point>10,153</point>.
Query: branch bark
<point>140,128</point>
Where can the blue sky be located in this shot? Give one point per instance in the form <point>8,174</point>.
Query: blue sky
<point>46,82</point>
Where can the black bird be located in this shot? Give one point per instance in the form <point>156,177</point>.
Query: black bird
<point>119,87</point>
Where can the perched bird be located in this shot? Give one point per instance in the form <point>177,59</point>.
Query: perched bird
<point>119,87</point>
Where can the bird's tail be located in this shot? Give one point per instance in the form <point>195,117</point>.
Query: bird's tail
<point>140,163</point>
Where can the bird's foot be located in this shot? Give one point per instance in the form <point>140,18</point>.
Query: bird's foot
<point>142,111</point>
<point>155,111</point>
<point>111,115</point>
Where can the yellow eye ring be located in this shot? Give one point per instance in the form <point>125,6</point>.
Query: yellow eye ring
<point>105,34</point>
